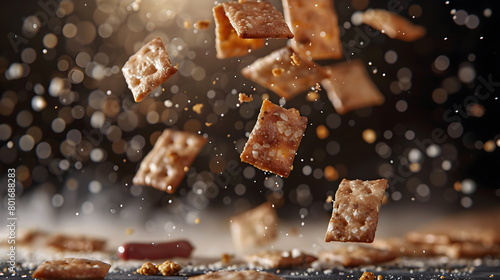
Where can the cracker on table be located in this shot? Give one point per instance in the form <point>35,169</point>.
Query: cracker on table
<point>315,26</point>
<point>255,227</point>
<point>227,42</point>
<point>349,87</point>
<point>76,243</point>
<point>257,20</point>
<point>294,78</point>
<point>393,25</point>
<point>355,255</point>
<point>237,275</point>
<point>280,259</point>
<point>275,138</point>
<point>167,163</point>
<point>72,268</point>
<point>355,211</point>
<point>148,69</point>
<point>400,246</point>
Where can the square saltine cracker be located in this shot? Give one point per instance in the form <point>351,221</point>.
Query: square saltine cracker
<point>314,24</point>
<point>148,69</point>
<point>255,227</point>
<point>167,163</point>
<point>275,138</point>
<point>393,25</point>
<point>292,79</point>
<point>349,87</point>
<point>355,211</point>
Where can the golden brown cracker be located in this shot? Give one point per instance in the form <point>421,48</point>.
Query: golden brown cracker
<point>393,25</point>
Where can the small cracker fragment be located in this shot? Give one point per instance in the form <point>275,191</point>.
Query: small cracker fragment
<point>201,24</point>
<point>255,227</point>
<point>393,25</point>
<point>292,81</point>
<point>355,255</point>
<point>349,87</point>
<point>244,98</point>
<point>367,276</point>
<point>198,107</point>
<point>355,211</point>
<point>72,268</point>
<point>148,69</point>
<point>257,20</point>
<point>275,138</point>
<point>280,259</point>
<point>148,268</point>
<point>237,275</point>
<point>315,26</point>
<point>227,42</point>
<point>167,163</point>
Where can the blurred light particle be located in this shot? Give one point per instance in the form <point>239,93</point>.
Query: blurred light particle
<point>455,130</point>
<point>97,155</point>
<point>489,146</point>
<point>87,207</point>
<point>57,200</point>
<point>415,155</point>
<point>306,170</point>
<point>472,21</point>
<point>86,32</point>
<point>24,118</point>
<point>50,40</point>
<point>5,131</point>
<point>468,186</point>
<point>451,85</point>
<point>31,26</point>
<point>388,134</point>
<point>333,121</point>
<point>95,186</point>
<point>475,110</point>
<point>459,17</point>
<point>433,151</point>
<point>439,96</point>
<point>28,55</point>
<point>396,196</point>
<point>441,63</point>
<point>58,125</point>
<point>58,86</point>
<point>332,148</point>
<point>128,121</point>
<point>82,59</point>
<point>16,71</point>
<point>330,173</point>
<point>410,135</point>
<point>446,165</point>
<point>423,191</point>
<point>249,172</point>
<point>487,12</point>
<point>77,112</point>
<point>391,56</point>
<point>76,76</point>
<point>105,30</point>
<point>369,136</point>
<point>466,73</point>
<point>26,143</point>
<point>415,11</point>
<point>383,150</point>
<point>466,202</point>
<point>322,132</point>
<point>69,30</point>
<point>43,150</point>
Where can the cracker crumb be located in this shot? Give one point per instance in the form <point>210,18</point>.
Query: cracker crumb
<point>201,24</point>
<point>226,259</point>
<point>197,108</point>
<point>329,199</point>
<point>208,124</point>
<point>312,96</point>
<point>322,131</point>
<point>277,71</point>
<point>380,277</point>
<point>129,231</point>
<point>187,24</point>
<point>169,268</point>
<point>367,276</point>
<point>295,59</point>
<point>242,97</point>
<point>148,268</point>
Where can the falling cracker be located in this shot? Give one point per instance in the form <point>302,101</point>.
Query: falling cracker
<point>227,42</point>
<point>257,20</point>
<point>274,139</point>
<point>393,25</point>
<point>244,98</point>
<point>349,87</point>
<point>355,211</point>
<point>72,268</point>
<point>201,24</point>
<point>280,259</point>
<point>167,163</point>
<point>315,26</point>
<point>255,227</point>
<point>292,81</point>
<point>355,255</point>
<point>148,69</point>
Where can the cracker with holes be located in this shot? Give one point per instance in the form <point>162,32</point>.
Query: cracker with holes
<point>393,25</point>
<point>237,275</point>
<point>275,138</point>
<point>227,42</point>
<point>349,87</point>
<point>314,24</point>
<point>296,75</point>
<point>167,163</point>
<point>255,227</point>
<point>72,268</point>
<point>280,259</point>
<point>148,69</point>
<point>355,255</point>
<point>355,211</point>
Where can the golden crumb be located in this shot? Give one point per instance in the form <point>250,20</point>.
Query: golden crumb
<point>380,277</point>
<point>329,199</point>
<point>442,277</point>
<point>148,269</point>
<point>226,259</point>
<point>367,276</point>
<point>369,135</point>
<point>331,174</point>
<point>245,98</point>
<point>197,108</point>
<point>295,59</point>
<point>187,24</point>
<point>169,268</point>
<point>129,231</point>
<point>312,96</point>
<point>201,24</point>
<point>277,71</point>
<point>322,132</point>
<point>208,124</point>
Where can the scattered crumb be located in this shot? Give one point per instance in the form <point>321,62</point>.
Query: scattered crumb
<point>322,132</point>
<point>312,96</point>
<point>129,231</point>
<point>201,24</point>
<point>245,98</point>
<point>380,277</point>
<point>295,59</point>
<point>197,221</point>
<point>294,231</point>
<point>367,276</point>
<point>226,259</point>
<point>169,268</point>
<point>331,174</point>
<point>207,124</point>
<point>442,277</point>
<point>148,269</point>
<point>277,71</point>
<point>197,108</point>
<point>187,24</point>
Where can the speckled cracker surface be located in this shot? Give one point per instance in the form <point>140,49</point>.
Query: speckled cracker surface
<point>257,19</point>
<point>355,211</point>
<point>255,227</point>
<point>227,42</point>
<point>72,268</point>
<point>292,80</point>
<point>148,69</point>
<point>355,255</point>
<point>274,139</point>
<point>393,25</point>
<point>280,259</point>
<point>349,87</point>
<point>166,164</point>
<point>315,26</point>
<point>237,275</point>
